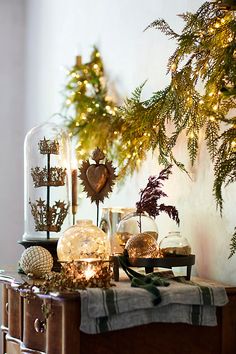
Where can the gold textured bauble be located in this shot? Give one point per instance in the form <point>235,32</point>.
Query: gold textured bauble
<point>142,245</point>
<point>36,261</point>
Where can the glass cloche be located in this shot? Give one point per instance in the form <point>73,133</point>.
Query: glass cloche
<point>174,244</point>
<point>133,224</point>
<point>83,241</point>
<point>47,182</point>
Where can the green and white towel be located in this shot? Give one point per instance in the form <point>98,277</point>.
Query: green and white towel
<point>124,306</point>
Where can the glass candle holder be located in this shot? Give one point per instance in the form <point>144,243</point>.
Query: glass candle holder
<point>88,273</point>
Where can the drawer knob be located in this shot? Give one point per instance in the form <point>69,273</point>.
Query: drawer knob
<point>7,307</point>
<point>39,326</point>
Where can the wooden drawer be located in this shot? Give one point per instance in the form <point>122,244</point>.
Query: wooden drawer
<point>33,337</point>
<point>14,313</point>
<point>4,306</point>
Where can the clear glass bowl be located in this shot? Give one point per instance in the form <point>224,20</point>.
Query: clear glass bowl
<point>174,244</point>
<point>133,224</point>
<point>83,241</point>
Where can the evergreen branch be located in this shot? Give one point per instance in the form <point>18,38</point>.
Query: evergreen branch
<point>233,244</point>
<point>163,26</point>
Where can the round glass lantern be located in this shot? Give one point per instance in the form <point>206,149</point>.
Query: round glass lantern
<point>133,224</point>
<point>174,244</point>
<point>47,182</point>
<point>83,241</point>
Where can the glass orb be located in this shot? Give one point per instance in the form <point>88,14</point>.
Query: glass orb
<point>174,245</point>
<point>129,226</point>
<point>82,241</point>
<point>142,245</point>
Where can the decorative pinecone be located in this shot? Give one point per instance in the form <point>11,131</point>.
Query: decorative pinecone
<point>36,261</point>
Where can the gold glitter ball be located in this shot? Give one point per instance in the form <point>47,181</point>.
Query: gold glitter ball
<point>142,245</point>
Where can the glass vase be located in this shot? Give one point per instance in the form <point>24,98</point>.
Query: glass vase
<point>174,244</point>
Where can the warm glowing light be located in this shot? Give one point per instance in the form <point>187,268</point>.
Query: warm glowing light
<point>211,94</point>
<point>233,144</point>
<point>95,66</point>
<point>191,135</point>
<point>212,119</point>
<point>89,272</point>
<point>201,102</point>
<point>68,101</point>
<point>89,109</point>
<point>97,55</point>
<point>215,107</point>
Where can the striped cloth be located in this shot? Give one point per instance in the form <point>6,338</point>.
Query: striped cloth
<point>123,306</point>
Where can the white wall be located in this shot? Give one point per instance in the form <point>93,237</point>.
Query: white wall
<point>57,30</point>
<point>12,18</point>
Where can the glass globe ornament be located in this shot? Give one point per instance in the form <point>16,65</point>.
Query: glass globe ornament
<point>83,241</point>
<point>133,224</point>
<point>142,245</point>
<point>174,244</point>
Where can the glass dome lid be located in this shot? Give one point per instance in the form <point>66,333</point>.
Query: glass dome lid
<point>47,182</point>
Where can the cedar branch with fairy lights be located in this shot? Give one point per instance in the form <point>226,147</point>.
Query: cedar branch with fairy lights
<point>199,98</point>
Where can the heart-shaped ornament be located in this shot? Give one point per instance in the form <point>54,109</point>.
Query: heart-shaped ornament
<point>97,176</point>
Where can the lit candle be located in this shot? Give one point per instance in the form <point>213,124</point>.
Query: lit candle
<point>74,193</point>
<point>89,272</point>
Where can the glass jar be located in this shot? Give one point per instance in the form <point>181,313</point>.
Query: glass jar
<point>174,244</point>
<point>133,224</point>
<point>47,182</point>
<point>83,241</point>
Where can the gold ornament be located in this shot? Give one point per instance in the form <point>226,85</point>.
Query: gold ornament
<point>97,178</point>
<point>47,146</point>
<point>142,245</point>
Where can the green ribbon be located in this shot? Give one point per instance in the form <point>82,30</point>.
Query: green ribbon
<point>148,282</point>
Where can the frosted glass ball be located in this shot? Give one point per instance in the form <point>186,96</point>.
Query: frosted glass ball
<point>83,240</point>
<point>142,245</point>
<point>36,260</point>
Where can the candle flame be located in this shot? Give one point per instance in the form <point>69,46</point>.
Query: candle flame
<point>89,272</point>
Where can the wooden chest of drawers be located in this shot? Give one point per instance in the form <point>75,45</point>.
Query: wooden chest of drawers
<point>50,325</point>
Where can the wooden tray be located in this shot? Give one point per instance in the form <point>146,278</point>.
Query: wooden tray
<point>150,263</point>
